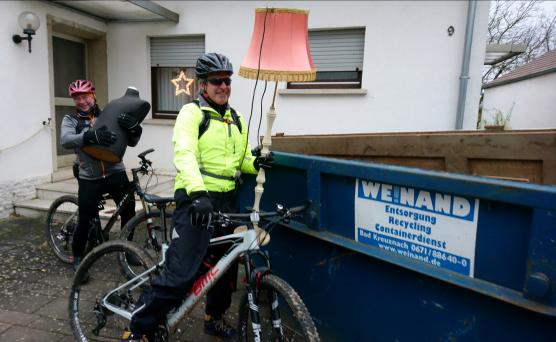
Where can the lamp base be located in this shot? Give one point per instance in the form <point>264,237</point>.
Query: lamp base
<point>17,38</point>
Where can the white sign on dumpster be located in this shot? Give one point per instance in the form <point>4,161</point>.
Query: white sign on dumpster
<point>436,228</point>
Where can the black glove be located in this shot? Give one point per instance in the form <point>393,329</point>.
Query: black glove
<point>101,136</point>
<point>130,124</point>
<point>127,121</point>
<point>262,161</point>
<point>201,209</point>
<point>135,131</point>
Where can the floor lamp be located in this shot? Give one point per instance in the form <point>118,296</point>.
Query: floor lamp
<point>279,51</point>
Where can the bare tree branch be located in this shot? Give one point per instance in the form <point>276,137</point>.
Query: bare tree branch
<point>515,22</point>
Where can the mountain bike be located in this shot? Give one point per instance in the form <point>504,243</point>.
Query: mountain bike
<point>103,295</point>
<point>63,217</point>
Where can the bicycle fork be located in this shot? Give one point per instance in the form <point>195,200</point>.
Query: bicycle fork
<point>252,293</point>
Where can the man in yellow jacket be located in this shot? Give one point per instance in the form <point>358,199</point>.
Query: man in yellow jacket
<point>211,151</point>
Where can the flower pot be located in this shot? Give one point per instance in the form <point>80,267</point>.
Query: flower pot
<point>494,128</point>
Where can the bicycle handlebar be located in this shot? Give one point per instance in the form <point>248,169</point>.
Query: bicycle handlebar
<point>283,213</point>
<point>145,163</point>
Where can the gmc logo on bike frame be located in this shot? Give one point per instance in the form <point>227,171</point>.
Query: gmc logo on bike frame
<point>200,284</point>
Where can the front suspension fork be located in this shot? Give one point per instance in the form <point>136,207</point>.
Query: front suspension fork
<point>253,284</point>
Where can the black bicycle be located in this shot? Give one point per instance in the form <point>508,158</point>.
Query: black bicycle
<point>63,217</point>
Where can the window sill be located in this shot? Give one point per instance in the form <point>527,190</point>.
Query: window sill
<point>322,91</point>
<point>159,122</point>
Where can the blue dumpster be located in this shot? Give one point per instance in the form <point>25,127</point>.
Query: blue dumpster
<point>389,253</point>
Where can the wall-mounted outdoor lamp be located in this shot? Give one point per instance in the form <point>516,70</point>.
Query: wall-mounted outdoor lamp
<point>29,22</point>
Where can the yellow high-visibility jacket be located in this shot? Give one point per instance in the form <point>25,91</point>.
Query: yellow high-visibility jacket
<point>219,151</point>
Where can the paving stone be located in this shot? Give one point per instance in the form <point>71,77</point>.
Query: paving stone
<point>56,309</point>
<point>17,333</point>
<point>68,338</point>
<point>4,327</point>
<point>15,317</point>
<point>26,304</point>
<point>50,324</point>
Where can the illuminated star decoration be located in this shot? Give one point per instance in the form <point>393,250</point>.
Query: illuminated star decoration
<point>177,82</point>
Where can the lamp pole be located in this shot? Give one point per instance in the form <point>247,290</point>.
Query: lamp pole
<point>267,141</point>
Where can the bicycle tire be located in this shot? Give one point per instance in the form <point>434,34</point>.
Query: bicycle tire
<point>59,233</point>
<point>136,231</point>
<point>297,323</point>
<point>98,273</point>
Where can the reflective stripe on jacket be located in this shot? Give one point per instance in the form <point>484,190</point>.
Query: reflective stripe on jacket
<point>219,150</point>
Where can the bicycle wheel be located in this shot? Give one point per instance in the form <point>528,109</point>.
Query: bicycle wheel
<point>61,220</point>
<point>136,230</point>
<point>273,293</point>
<point>98,274</point>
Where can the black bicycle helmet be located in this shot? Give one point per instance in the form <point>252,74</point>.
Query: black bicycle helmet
<point>211,63</point>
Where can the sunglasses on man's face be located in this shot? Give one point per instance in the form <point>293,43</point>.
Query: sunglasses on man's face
<point>218,81</point>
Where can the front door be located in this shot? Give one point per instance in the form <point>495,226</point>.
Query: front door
<point>69,60</point>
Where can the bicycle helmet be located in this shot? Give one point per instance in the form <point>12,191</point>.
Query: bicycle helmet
<point>212,62</point>
<point>80,87</point>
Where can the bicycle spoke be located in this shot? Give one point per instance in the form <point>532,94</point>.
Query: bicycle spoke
<point>137,231</point>
<point>62,220</point>
<point>93,281</point>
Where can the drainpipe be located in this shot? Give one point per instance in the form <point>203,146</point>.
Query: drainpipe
<point>464,77</point>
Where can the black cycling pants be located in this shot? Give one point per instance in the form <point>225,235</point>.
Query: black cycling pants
<point>184,260</point>
<point>89,194</point>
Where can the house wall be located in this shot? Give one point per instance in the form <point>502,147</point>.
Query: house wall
<point>533,105</point>
<point>411,66</point>
<point>410,75</point>
<point>26,149</point>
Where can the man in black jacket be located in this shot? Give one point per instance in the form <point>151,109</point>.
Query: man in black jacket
<point>95,177</point>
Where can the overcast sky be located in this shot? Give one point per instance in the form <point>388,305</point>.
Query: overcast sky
<point>549,6</point>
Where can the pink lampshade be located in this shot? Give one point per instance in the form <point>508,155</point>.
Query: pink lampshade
<point>285,54</point>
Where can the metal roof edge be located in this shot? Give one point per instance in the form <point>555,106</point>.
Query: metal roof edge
<point>72,9</point>
<point>157,9</point>
<point>164,13</point>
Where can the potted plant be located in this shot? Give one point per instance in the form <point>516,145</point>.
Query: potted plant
<point>497,121</point>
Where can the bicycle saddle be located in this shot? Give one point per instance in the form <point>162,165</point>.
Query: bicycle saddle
<point>157,199</point>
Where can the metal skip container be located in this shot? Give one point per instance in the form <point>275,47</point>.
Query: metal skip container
<point>391,253</point>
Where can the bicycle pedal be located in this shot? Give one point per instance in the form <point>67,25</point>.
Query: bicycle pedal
<point>60,237</point>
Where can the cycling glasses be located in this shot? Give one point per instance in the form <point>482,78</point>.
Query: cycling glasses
<point>218,81</point>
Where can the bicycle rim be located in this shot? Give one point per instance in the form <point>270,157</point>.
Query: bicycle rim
<point>296,322</point>
<point>98,274</point>
<point>62,220</point>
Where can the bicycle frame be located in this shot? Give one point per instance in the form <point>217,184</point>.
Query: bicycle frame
<point>134,187</point>
<point>249,242</point>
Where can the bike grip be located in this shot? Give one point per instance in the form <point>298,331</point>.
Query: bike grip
<point>144,153</point>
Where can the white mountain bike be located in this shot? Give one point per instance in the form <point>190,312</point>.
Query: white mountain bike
<point>104,291</point>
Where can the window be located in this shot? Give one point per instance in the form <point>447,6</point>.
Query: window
<point>173,73</point>
<point>338,57</point>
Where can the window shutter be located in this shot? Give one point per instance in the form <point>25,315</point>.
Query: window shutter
<point>337,50</point>
<point>176,51</point>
